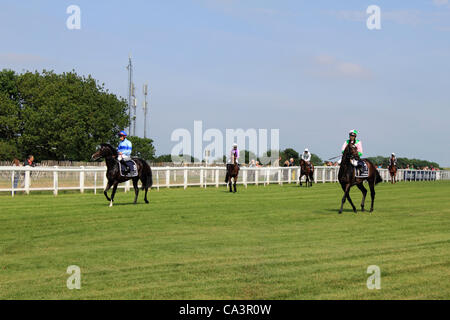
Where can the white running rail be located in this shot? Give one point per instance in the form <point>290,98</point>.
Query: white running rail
<point>55,179</point>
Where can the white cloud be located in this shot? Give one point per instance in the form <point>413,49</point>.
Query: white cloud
<point>18,58</point>
<point>440,2</point>
<point>330,67</point>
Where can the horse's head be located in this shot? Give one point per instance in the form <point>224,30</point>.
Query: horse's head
<point>104,151</point>
<point>350,152</point>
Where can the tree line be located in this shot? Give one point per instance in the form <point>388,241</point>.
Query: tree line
<point>66,116</point>
<point>60,117</point>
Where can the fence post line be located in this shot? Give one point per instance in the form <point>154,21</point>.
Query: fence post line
<point>201,177</point>
<point>168,178</point>
<point>256,176</point>
<point>315,176</point>
<point>289,175</point>
<point>185,178</point>
<point>82,179</point>
<point>95,182</point>
<point>27,182</point>
<point>244,177</point>
<point>55,181</point>
<point>12,183</point>
<point>157,180</point>
<point>217,178</point>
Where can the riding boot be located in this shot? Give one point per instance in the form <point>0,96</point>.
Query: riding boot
<point>127,169</point>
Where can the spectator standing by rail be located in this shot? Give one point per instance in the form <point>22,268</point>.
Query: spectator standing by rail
<point>16,163</point>
<point>29,162</point>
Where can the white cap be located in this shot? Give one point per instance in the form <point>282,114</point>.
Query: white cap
<point>306,150</point>
<point>234,145</point>
<point>393,154</point>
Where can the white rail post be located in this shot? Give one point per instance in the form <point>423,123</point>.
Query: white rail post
<point>168,178</point>
<point>185,178</point>
<point>55,181</point>
<point>280,180</point>
<point>289,175</point>
<point>157,180</point>
<point>95,182</point>
<point>256,176</point>
<point>82,179</point>
<point>315,176</point>
<point>217,178</point>
<point>27,182</point>
<point>12,183</point>
<point>244,178</point>
<point>201,178</point>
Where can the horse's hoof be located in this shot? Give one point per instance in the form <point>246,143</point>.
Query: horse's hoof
<point>340,211</point>
<point>146,201</point>
<point>110,204</point>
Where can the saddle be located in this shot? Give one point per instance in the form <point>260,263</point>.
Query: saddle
<point>133,169</point>
<point>361,171</point>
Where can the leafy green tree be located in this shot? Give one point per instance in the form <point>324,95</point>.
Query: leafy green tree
<point>58,116</point>
<point>9,105</point>
<point>8,151</point>
<point>142,148</point>
<point>163,158</point>
<point>246,156</point>
<point>316,160</point>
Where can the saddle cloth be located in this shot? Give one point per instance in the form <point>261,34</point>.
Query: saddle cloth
<point>362,171</point>
<point>133,169</point>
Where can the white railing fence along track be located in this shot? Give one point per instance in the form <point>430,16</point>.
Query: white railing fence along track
<point>55,179</point>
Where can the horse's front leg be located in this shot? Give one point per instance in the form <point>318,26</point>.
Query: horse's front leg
<point>234,184</point>
<point>343,199</point>
<point>136,189</point>
<point>105,192</point>
<point>113,193</point>
<point>230,183</point>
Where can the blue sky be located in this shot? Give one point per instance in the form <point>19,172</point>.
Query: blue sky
<point>309,68</point>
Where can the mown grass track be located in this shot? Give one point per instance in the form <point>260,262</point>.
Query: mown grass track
<point>275,242</point>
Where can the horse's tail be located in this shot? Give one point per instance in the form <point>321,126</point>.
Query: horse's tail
<point>147,176</point>
<point>378,178</point>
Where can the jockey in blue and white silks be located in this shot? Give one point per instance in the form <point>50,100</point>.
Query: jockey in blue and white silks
<point>124,149</point>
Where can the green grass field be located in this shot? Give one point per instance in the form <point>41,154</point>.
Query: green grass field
<point>275,242</point>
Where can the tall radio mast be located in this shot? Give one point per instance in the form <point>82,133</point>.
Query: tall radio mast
<point>131,97</point>
<point>145,105</point>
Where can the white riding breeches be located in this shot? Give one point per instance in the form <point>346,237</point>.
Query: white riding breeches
<point>123,157</point>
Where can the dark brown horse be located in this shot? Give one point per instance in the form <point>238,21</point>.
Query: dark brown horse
<point>113,173</point>
<point>306,169</point>
<point>393,171</point>
<point>347,177</point>
<point>232,173</point>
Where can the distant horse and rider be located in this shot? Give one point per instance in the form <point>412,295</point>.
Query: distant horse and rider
<point>354,171</point>
<point>118,171</point>
<point>232,169</point>
<point>306,168</point>
<point>393,168</point>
